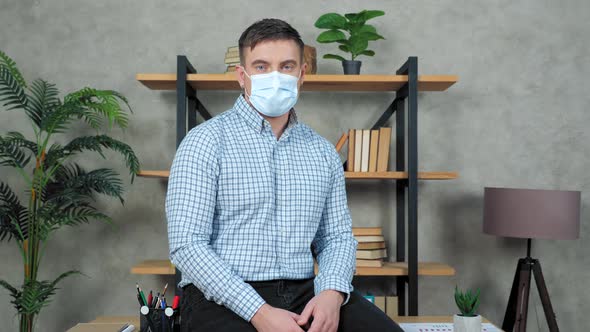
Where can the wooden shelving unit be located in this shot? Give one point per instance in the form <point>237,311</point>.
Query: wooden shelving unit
<point>406,83</point>
<point>374,83</point>
<point>348,175</point>
<point>393,269</point>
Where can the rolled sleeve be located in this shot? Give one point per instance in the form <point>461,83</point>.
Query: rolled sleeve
<point>334,245</point>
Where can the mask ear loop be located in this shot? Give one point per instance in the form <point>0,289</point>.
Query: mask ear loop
<point>244,86</point>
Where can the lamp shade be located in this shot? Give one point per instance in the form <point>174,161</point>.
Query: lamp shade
<point>532,213</point>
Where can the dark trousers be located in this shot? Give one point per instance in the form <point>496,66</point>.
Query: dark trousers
<point>198,314</point>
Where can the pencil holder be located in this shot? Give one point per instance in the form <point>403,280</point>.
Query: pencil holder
<point>158,320</point>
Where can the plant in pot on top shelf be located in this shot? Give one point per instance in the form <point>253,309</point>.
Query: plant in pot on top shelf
<point>59,192</point>
<point>359,35</point>
<point>468,320</point>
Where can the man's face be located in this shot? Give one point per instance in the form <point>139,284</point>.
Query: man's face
<point>274,55</point>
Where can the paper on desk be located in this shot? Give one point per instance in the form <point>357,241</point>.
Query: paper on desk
<point>439,327</point>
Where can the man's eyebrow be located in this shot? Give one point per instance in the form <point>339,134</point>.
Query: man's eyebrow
<point>290,61</point>
<point>259,61</point>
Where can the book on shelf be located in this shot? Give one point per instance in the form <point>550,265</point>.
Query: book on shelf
<point>371,254</point>
<point>369,263</point>
<point>365,150</point>
<point>232,60</point>
<point>360,231</point>
<point>373,150</point>
<point>370,245</point>
<point>233,49</point>
<point>369,238</point>
<point>383,150</point>
<point>368,150</point>
<point>232,54</point>
<point>358,147</point>
<point>350,159</point>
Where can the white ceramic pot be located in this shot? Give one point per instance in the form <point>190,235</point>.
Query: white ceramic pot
<point>466,324</point>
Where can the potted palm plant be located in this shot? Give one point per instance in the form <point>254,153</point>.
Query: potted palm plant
<point>468,320</point>
<point>60,192</point>
<point>357,41</point>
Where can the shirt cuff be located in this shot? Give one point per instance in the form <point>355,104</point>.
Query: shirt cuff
<point>246,302</point>
<point>322,283</point>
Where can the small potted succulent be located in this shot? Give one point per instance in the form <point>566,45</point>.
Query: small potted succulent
<point>359,35</point>
<point>468,320</point>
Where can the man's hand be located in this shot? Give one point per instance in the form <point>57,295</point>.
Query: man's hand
<point>271,319</point>
<point>325,309</point>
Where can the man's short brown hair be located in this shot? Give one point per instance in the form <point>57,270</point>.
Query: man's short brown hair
<point>268,29</point>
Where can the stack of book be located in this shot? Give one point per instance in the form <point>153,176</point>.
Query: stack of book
<point>371,249</point>
<point>368,150</point>
<point>232,58</point>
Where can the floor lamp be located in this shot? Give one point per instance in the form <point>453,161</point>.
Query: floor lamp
<point>530,214</point>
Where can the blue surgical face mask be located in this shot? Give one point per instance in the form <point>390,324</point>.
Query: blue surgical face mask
<point>273,94</point>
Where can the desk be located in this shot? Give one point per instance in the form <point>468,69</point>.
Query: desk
<point>113,323</point>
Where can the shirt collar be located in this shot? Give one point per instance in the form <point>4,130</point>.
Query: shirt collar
<point>255,120</point>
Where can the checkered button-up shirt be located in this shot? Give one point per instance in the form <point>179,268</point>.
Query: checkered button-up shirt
<point>244,206</point>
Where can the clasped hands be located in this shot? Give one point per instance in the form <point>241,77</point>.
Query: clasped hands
<point>324,308</point>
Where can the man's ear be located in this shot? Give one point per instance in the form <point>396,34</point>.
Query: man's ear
<point>303,70</point>
<point>240,75</point>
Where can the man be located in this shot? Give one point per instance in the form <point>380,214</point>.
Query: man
<point>253,196</point>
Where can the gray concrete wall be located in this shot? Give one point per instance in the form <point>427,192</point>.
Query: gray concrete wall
<point>517,117</point>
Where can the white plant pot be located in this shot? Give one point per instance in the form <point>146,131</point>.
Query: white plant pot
<point>466,324</point>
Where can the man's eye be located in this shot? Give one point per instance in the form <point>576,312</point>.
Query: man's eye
<point>259,67</point>
<point>288,67</point>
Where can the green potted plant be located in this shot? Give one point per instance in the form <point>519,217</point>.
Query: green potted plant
<point>359,35</point>
<point>468,320</point>
<point>59,191</point>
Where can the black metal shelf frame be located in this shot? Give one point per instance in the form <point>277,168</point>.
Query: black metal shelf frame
<point>188,106</point>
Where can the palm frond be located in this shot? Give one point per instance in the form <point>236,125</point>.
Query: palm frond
<point>42,100</point>
<point>55,216</point>
<point>13,216</point>
<point>12,95</point>
<point>7,62</point>
<point>11,152</point>
<point>97,143</point>
<point>90,105</point>
<point>12,84</point>
<point>72,183</point>
<point>35,294</point>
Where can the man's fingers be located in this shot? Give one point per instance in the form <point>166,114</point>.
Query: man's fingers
<point>304,317</point>
<point>294,315</point>
<point>318,324</point>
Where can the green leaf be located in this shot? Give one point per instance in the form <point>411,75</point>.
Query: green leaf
<point>370,36</point>
<point>95,143</point>
<point>12,153</point>
<point>10,65</point>
<point>331,36</point>
<point>368,53</point>
<point>352,17</point>
<point>42,100</point>
<point>13,291</point>
<point>367,28</point>
<point>344,48</point>
<point>12,94</point>
<point>366,15</point>
<point>13,216</point>
<point>333,56</point>
<point>331,21</point>
<point>358,45</point>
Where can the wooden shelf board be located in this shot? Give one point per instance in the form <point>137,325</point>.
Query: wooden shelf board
<point>348,175</point>
<point>388,269</point>
<point>311,83</point>
<point>401,269</point>
<point>157,266</point>
<point>401,175</point>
